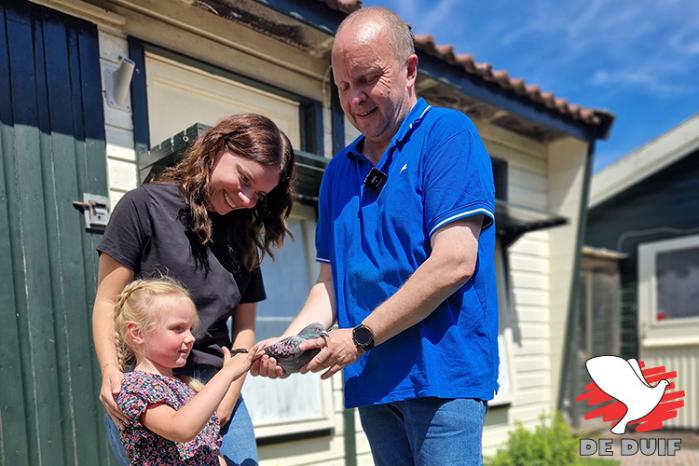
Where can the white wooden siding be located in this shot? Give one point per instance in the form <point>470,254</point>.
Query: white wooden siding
<point>566,162</point>
<point>529,318</point>
<point>685,361</point>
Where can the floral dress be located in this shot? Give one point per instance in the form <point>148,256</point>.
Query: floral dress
<point>145,448</point>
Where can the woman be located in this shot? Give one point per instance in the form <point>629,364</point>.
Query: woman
<point>207,223</point>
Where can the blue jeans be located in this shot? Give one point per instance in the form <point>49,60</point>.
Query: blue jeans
<point>238,446</point>
<point>425,431</point>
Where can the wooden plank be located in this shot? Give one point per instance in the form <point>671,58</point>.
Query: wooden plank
<point>14,446</point>
<point>28,238</point>
<point>92,178</point>
<point>40,363</point>
<point>65,224</point>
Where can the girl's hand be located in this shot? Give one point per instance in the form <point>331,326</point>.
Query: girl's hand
<point>111,386</point>
<point>238,363</point>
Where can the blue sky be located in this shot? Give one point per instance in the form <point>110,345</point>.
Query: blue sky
<point>638,59</point>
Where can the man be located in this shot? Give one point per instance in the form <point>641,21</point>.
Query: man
<point>405,241</point>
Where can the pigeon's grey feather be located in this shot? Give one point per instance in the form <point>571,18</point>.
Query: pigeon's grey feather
<point>287,352</point>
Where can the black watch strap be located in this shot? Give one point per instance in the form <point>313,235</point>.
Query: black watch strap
<point>363,337</point>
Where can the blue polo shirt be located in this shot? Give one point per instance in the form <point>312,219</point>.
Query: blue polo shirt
<point>438,172</point>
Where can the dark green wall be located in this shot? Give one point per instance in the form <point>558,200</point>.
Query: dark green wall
<point>663,206</point>
<point>52,150</point>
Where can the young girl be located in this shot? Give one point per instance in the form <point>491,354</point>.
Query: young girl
<point>167,421</point>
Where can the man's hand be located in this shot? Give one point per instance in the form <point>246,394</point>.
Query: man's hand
<point>337,350</point>
<point>263,365</point>
<point>111,386</point>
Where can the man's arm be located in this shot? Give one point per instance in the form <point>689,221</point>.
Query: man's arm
<point>320,304</point>
<point>449,266</point>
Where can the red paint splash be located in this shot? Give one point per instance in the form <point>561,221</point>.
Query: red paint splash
<point>612,411</point>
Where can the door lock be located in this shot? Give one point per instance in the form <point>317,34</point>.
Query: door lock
<point>95,209</point>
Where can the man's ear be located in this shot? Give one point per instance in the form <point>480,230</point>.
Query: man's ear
<point>134,333</point>
<point>411,69</point>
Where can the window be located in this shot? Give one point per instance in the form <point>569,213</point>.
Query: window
<point>504,395</point>
<point>668,295</point>
<point>302,400</point>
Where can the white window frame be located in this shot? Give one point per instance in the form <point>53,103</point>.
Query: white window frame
<point>670,332</point>
<point>505,395</point>
<point>323,421</point>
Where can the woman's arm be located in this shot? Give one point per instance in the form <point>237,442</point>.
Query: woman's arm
<point>184,424</point>
<point>243,337</point>
<point>113,277</point>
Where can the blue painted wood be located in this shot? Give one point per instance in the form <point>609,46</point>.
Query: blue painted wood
<point>14,443</point>
<point>312,13</point>
<point>337,118</point>
<point>139,100</point>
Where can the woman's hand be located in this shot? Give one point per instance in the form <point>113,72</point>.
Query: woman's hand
<point>111,386</point>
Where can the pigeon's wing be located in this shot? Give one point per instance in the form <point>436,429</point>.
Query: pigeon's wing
<point>637,369</point>
<point>612,375</point>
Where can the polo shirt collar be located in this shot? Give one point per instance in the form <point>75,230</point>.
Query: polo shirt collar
<point>412,120</point>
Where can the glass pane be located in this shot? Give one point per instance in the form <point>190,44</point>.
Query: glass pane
<point>605,313</point>
<point>286,282</point>
<point>677,278</point>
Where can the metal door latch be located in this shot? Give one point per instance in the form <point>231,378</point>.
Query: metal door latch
<point>96,211</point>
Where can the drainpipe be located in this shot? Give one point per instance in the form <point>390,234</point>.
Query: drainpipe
<point>350,438</point>
<point>338,139</point>
<point>571,336</point>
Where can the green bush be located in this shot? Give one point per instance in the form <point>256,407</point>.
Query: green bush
<point>550,444</point>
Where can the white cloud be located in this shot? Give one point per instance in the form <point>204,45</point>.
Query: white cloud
<point>651,79</point>
<point>438,15</point>
<point>686,40</point>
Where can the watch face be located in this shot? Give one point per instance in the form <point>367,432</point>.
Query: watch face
<point>363,336</point>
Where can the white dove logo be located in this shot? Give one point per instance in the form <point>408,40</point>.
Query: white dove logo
<point>624,381</point>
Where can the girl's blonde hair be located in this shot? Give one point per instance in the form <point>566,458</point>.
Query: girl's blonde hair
<point>137,303</point>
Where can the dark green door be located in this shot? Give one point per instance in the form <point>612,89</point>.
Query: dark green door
<point>52,150</point>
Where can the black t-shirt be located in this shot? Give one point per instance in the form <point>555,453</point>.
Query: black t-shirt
<point>148,233</point>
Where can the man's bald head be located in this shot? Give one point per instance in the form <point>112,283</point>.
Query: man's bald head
<point>366,22</point>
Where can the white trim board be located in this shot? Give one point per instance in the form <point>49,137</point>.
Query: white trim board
<point>644,162</point>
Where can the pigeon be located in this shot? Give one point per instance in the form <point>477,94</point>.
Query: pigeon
<point>624,381</point>
<point>287,352</point>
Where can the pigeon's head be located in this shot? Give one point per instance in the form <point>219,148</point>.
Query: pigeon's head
<point>663,383</point>
<point>314,330</point>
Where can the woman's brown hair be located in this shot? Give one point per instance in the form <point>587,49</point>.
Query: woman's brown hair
<point>250,233</point>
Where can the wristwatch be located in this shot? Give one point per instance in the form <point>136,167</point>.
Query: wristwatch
<point>363,337</point>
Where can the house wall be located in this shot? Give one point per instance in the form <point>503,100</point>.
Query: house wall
<point>567,159</point>
<point>528,319</point>
<point>259,58</point>
<point>658,208</point>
